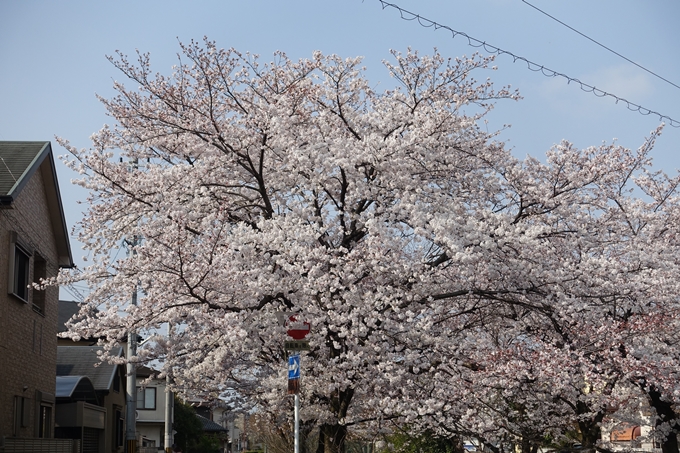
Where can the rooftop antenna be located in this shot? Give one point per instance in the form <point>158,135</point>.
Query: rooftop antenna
<point>10,171</point>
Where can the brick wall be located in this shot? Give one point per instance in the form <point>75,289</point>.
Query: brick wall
<point>28,343</point>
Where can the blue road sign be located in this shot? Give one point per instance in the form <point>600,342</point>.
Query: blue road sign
<point>294,367</point>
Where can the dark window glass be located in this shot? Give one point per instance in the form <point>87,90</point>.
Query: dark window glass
<point>21,273</point>
<point>146,398</point>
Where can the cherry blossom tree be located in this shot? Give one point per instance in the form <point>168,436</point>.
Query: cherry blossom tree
<point>450,286</point>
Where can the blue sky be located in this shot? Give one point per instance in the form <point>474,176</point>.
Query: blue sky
<point>53,60</point>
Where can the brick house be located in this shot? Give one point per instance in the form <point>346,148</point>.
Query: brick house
<point>34,244</point>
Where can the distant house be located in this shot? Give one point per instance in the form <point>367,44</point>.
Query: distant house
<point>151,402</point>
<point>233,435</point>
<point>90,399</point>
<point>151,408</point>
<point>34,244</point>
<point>620,436</point>
<point>216,431</point>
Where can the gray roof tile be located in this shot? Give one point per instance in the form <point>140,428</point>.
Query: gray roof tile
<point>210,426</point>
<point>17,163</point>
<point>85,362</point>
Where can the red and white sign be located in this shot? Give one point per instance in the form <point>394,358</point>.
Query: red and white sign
<point>297,330</point>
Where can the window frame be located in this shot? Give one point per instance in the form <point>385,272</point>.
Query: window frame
<point>26,266</point>
<point>142,391</point>
<point>118,426</point>
<point>20,256</point>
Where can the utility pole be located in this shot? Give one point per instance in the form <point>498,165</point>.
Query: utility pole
<point>169,407</point>
<point>131,390</point>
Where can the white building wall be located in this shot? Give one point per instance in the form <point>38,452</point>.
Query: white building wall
<point>151,422</point>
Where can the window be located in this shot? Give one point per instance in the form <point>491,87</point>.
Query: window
<point>146,398</point>
<point>119,426</point>
<point>19,268</point>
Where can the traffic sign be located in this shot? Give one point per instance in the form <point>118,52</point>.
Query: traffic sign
<point>294,367</point>
<point>297,330</point>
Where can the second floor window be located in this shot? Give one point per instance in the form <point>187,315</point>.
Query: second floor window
<point>146,398</point>
<point>20,270</point>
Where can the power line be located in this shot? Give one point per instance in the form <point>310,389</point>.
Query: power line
<point>73,291</point>
<point>473,42</point>
<point>601,45</point>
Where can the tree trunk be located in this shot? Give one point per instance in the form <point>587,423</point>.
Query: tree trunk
<point>665,414</point>
<point>528,446</point>
<point>457,445</point>
<point>589,428</point>
<point>321,444</point>
<point>332,438</point>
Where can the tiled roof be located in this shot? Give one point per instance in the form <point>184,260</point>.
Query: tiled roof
<point>145,372</point>
<point>210,426</point>
<point>84,361</point>
<point>19,161</point>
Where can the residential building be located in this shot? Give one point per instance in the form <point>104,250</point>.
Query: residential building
<point>235,426</point>
<point>151,402</point>
<point>91,398</point>
<point>34,244</point>
<point>215,431</point>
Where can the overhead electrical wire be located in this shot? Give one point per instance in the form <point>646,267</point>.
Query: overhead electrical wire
<point>601,45</point>
<point>473,42</point>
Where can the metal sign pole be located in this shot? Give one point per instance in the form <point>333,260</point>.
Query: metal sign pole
<point>298,331</point>
<point>297,423</point>
<point>294,389</point>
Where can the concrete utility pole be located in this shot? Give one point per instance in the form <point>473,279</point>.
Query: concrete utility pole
<point>169,408</point>
<point>131,391</point>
